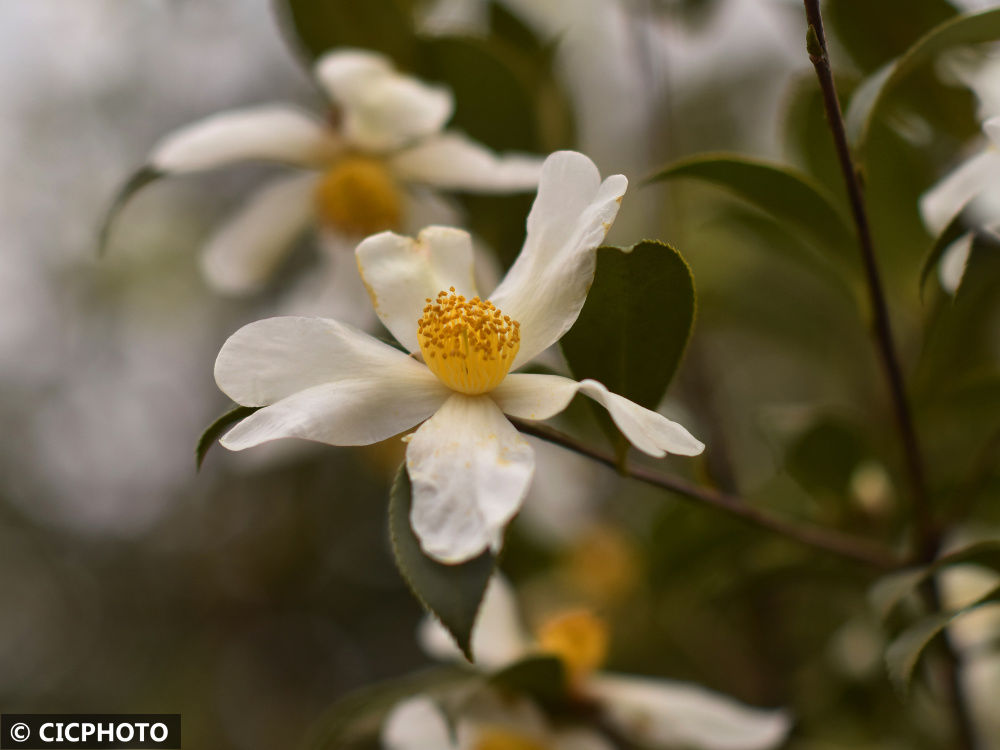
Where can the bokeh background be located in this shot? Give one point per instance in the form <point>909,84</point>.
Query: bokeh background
<point>250,596</point>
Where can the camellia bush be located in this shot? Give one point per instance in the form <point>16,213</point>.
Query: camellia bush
<point>775,373</point>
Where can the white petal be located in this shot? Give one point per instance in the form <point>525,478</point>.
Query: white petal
<point>470,471</point>
<point>531,396</point>
<point>359,411</point>
<point>661,713</point>
<point>992,129</point>
<point>498,637</point>
<point>453,162</point>
<point>951,268</point>
<point>423,207</point>
<point>401,273</point>
<point>647,430</point>
<point>381,109</point>
<point>549,281</point>
<point>274,358</point>
<point>416,724</point>
<point>269,133</point>
<point>949,195</point>
<point>243,254</point>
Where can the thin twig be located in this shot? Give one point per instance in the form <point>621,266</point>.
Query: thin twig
<point>927,536</point>
<point>851,548</point>
<point>816,43</point>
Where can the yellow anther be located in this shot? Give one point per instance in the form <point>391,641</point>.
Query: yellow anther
<point>466,344</point>
<point>358,196</point>
<point>502,739</point>
<point>578,638</point>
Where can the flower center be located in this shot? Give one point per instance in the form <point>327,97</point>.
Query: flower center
<point>578,638</point>
<point>358,196</point>
<point>501,739</point>
<point>468,343</point>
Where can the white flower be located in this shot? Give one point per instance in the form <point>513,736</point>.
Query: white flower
<point>470,468</point>
<point>373,165</point>
<point>650,712</point>
<point>487,723</point>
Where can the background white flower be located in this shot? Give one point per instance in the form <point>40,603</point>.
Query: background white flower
<point>651,712</point>
<point>470,468</point>
<point>373,164</point>
<point>485,723</point>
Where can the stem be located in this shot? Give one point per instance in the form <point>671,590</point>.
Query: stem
<point>927,536</point>
<point>816,43</point>
<point>845,546</point>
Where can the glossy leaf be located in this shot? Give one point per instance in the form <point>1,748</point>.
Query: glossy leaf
<point>903,654</point>
<point>317,26</point>
<point>971,28</point>
<point>956,228</point>
<point>452,593</point>
<point>543,678</point>
<point>889,591</point>
<point>635,325</point>
<point>142,177</point>
<point>218,428</point>
<point>793,198</point>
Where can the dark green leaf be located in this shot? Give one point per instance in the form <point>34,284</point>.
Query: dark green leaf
<point>452,593</point>
<point>970,28</point>
<point>215,430</point>
<point>507,26</point>
<point>543,678</point>
<point>791,197</point>
<point>360,715</point>
<point>890,590</point>
<point>824,457</point>
<point>903,654</point>
<point>132,185</point>
<point>955,229</point>
<point>317,26</point>
<point>492,102</point>
<point>633,329</point>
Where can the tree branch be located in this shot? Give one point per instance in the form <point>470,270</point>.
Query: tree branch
<point>842,545</point>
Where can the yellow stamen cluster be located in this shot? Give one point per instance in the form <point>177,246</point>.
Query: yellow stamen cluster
<point>578,638</point>
<point>358,196</point>
<point>502,739</point>
<point>468,343</point>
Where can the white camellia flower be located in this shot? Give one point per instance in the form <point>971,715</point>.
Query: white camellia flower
<point>650,712</point>
<point>470,468</point>
<point>373,165</point>
<point>487,723</point>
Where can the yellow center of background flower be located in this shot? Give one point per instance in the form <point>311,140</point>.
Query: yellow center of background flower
<point>501,739</point>
<point>579,638</point>
<point>359,197</point>
<point>468,343</point>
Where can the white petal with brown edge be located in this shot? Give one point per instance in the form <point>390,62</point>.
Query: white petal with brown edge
<point>548,283</point>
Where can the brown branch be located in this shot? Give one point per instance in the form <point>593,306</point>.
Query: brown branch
<point>848,547</point>
<point>927,536</point>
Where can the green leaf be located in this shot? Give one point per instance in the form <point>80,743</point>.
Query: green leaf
<point>215,430</point>
<point>317,26</point>
<point>823,458</point>
<point>493,104</point>
<point>359,715</point>
<point>508,27</point>
<point>634,327</point>
<point>543,678</point>
<point>793,198</point>
<point>903,654</point>
<point>133,185</point>
<point>452,593</point>
<point>955,229</point>
<point>870,97</point>
<point>887,592</point>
